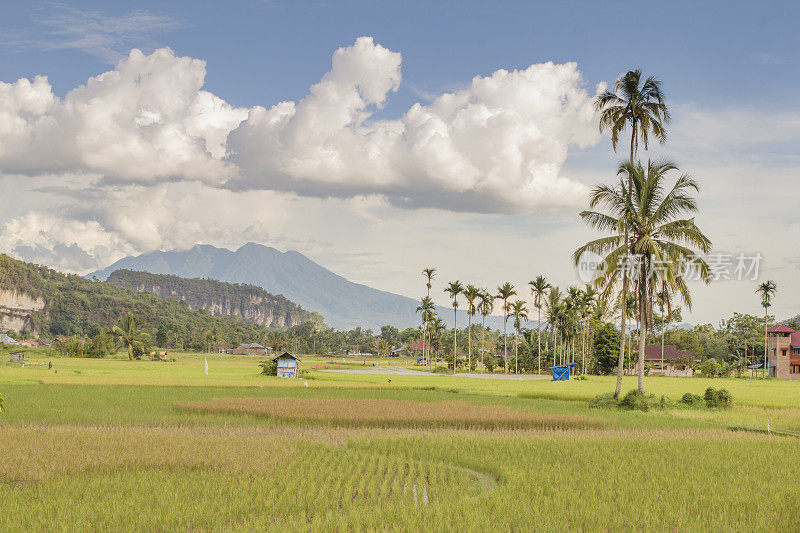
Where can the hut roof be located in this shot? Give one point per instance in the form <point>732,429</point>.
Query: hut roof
<point>285,355</point>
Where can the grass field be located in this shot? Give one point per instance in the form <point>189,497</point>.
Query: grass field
<point>115,444</point>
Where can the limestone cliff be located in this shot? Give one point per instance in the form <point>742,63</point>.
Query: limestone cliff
<point>248,302</point>
<point>18,310</point>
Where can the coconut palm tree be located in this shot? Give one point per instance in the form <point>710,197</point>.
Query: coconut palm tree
<point>438,328</point>
<point>454,288</point>
<point>555,309</point>
<point>642,107</point>
<point>539,287</point>
<point>429,274</point>
<point>767,291</point>
<point>504,292</point>
<point>130,336</point>
<point>471,293</point>
<point>520,312</point>
<point>485,307</point>
<point>661,243</point>
<point>587,307</point>
<point>638,105</point>
<point>426,309</point>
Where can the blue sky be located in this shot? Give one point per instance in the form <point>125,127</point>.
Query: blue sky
<point>729,70</point>
<point>709,52</point>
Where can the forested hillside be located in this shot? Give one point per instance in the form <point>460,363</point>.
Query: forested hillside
<point>76,306</point>
<point>247,302</point>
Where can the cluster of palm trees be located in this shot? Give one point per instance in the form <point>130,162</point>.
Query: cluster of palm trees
<point>568,318</point>
<point>650,242</point>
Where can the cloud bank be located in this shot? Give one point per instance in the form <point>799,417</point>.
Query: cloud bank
<point>497,146</point>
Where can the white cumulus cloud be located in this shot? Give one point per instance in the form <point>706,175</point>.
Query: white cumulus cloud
<point>497,146</point>
<point>145,121</point>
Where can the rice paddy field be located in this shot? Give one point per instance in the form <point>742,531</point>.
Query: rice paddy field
<point>155,446</point>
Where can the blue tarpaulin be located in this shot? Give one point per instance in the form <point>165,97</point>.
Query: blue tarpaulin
<point>561,372</point>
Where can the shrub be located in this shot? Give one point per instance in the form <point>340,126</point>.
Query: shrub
<point>603,401</point>
<point>443,370</point>
<point>691,399</point>
<point>269,367</point>
<point>581,377</point>
<point>718,398</point>
<point>635,400</point>
<point>488,362</point>
<point>711,368</point>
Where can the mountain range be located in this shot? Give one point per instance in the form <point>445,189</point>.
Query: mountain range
<point>342,303</point>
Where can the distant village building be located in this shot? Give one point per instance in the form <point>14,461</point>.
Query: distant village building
<point>224,348</point>
<point>252,348</point>
<point>287,365</point>
<point>5,339</point>
<point>17,357</point>
<point>33,343</point>
<point>401,351</point>
<point>673,363</point>
<point>783,352</point>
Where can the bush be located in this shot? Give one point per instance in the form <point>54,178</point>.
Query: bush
<point>442,370</point>
<point>691,399</point>
<point>603,401</point>
<point>269,367</point>
<point>711,368</point>
<point>718,398</point>
<point>635,400</point>
<point>488,362</point>
<point>581,377</point>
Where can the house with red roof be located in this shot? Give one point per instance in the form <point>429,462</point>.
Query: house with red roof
<point>783,352</point>
<point>667,360</point>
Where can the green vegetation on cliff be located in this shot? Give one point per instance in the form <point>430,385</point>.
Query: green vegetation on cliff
<point>84,308</point>
<point>217,297</point>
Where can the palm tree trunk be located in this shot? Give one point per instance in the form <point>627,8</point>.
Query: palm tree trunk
<point>642,340</point>
<point>539,327</point>
<point>483,333</point>
<point>455,333</point>
<point>505,341</point>
<point>469,342</point>
<point>621,364</point>
<point>663,330</point>
<point>765,341</point>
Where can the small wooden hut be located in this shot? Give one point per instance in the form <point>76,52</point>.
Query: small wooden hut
<point>287,365</point>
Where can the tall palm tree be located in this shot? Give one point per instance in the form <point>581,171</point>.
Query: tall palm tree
<point>438,328</point>
<point>130,336</point>
<point>767,291</point>
<point>539,287</point>
<point>454,288</point>
<point>642,106</point>
<point>471,293</point>
<point>520,312</point>
<point>504,292</point>
<point>429,274</point>
<point>638,105</point>
<point>485,307</point>
<point>661,243</point>
<point>426,309</point>
<point>555,307</point>
<point>587,307</point>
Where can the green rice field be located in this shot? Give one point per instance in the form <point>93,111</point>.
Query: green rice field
<point>113,444</point>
